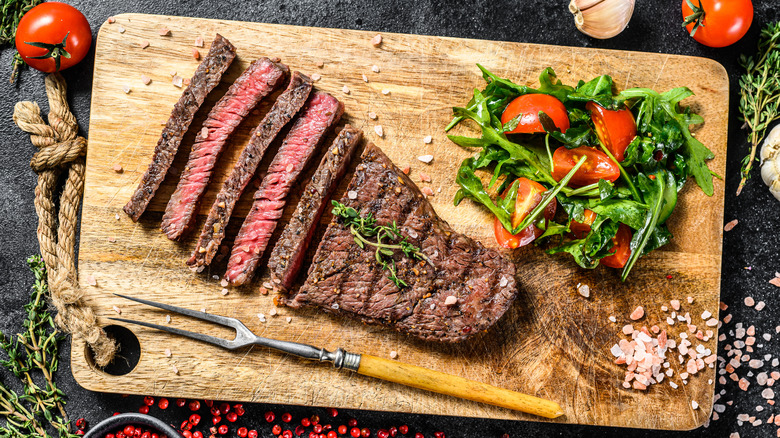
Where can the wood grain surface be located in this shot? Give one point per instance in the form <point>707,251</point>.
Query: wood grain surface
<point>552,343</point>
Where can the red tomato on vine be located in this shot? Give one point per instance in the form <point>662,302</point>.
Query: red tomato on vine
<point>717,23</point>
<point>53,36</point>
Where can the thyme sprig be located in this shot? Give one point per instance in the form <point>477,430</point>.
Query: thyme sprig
<point>11,12</point>
<point>759,100</point>
<point>33,357</point>
<point>385,238</point>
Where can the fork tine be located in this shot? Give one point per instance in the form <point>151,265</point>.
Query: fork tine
<point>222,320</point>
<point>199,336</point>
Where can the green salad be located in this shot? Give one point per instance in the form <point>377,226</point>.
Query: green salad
<point>581,169</point>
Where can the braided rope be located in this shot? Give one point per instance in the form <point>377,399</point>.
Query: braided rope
<point>61,150</point>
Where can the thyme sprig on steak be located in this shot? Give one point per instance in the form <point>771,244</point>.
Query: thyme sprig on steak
<point>365,228</point>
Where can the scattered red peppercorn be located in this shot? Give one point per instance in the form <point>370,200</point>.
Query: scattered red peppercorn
<point>79,432</point>
<point>223,429</point>
<point>146,434</point>
<point>365,433</point>
<point>144,409</point>
<point>404,429</point>
<point>352,422</point>
<point>110,435</point>
<point>332,434</point>
<point>317,428</point>
<point>194,405</point>
<point>81,423</point>
<point>163,403</point>
<point>269,416</point>
<point>393,431</point>
<point>120,435</point>
<point>327,427</point>
<point>115,414</point>
<point>252,434</point>
<point>242,432</point>
<point>216,419</point>
<point>194,419</point>
<point>231,417</point>
<point>239,408</point>
<point>185,425</point>
<point>286,417</point>
<point>439,435</point>
<point>209,403</point>
<point>287,434</point>
<point>154,435</point>
<point>312,435</point>
<point>322,435</point>
<point>299,430</point>
<point>354,432</point>
<point>180,402</point>
<point>224,408</point>
<point>276,430</point>
<point>196,434</point>
<point>305,422</point>
<point>506,435</point>
<point>381,433</point>
<point>419,435</point>
<point>668,277</point>
<point>315,419</point>
<point>333,412</point>
<point>215,411</point>
<point>187,434</point>
<point>148,401</point>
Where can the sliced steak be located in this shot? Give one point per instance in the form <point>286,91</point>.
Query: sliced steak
<point>258,80</point>
<point>321,112</point>
<point>288,253</point>
<point>283,110</point>
<point>206,77</point>
<point>346,279</point>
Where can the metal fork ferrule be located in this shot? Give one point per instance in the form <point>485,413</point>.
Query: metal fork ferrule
<point>341,359</point>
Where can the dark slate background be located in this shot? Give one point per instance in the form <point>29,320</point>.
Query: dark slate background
<point>654,28</point>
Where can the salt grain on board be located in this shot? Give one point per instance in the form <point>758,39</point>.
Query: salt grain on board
<point>117,310</point>
<point>111,20</point>
<point>144,44</point>
<point>376,41</point>
<point>315,77</point>
<point>372,115</point>
<point>195,53</point>
<point>375,68</point>
<point>427,139</point>
<point>425,158</point>
<point>385,91</point>
<point>198,42</point>
<point>424,177</point>
<point>584,290</point>
<point>146,79</point>
<point>345,89</point>
<point>126,89</point>
<point>177,81</point>
<point>365,78</point>
<point>121,29</point>
<point>393,354</point>
<point>165,31</point>
<point>118,168</point>
<point>637,314</point>
<point>427,191</point>
<point>379,131</point>
<point>167,352</point>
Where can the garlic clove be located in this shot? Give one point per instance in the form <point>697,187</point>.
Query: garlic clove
<point>601,18</point>
<point>770,161</point>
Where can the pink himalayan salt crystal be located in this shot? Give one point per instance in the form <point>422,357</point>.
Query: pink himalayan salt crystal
<point>637,314</point>
<point>675,304</point>
<point>376,41</point>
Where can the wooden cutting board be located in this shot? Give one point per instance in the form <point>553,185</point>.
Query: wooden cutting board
<point>553,342</point>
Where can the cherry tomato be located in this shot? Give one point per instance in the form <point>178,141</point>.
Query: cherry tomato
<point>581,229</point>
<point>58,26</point>
<point>723,22</point>
<point>529,106</point>
<point>615,129</point>
<point>529,194</point>
<point>597,166</point>
<point>621,248</point>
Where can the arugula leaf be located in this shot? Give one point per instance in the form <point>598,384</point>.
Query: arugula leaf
<point>471,187</point>
<point>550,84</point>
<point>595,246</point>
<point>653,191</point>
<point>625,211</point>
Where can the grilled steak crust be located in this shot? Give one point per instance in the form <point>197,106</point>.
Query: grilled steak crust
<point>320,113</point>
<point>258,80</point>
<point>345,279</point>
<point>206,77</point>
<point>288,253</point>
<point>283,110</point>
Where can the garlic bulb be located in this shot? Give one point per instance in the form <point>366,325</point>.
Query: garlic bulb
<point>601,18</point>
<point>770,161</point>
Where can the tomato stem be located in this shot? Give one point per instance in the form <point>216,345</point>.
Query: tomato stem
<point>53,51</point>
<point>697,17</point>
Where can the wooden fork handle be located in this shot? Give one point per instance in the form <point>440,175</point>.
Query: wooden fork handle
<point>435,381</point>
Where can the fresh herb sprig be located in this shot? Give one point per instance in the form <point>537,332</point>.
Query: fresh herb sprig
<point>11,12</point>
<point>759,100</point>
<point>385,238</point>
<point>33,357</point>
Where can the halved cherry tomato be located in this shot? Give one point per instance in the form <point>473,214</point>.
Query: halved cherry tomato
<point>529,106</point>
<point>615,129</point>
<point>529,194</point>
<point>581,229</point>
<point>621,249</point>
<point>597,166</point>
<point>722,23</point>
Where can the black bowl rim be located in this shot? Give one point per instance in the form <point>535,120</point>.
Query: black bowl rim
<point>113,423</point>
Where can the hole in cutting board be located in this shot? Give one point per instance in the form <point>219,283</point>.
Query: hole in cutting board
<point>128,355</point>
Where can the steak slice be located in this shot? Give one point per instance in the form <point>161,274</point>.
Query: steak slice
<point>346,279</point>
<point>258,80</point>
<point>283,110</point>
<point>321,112</point>
<point>288,253</point>
<point>206,77</point>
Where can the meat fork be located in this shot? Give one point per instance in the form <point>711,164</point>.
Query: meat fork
<point>367,365</point>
